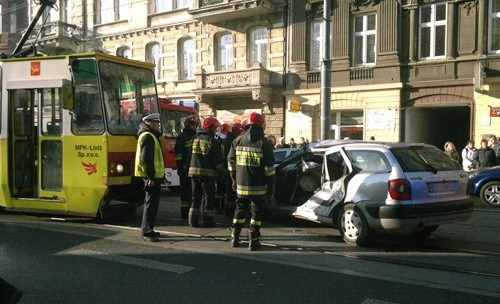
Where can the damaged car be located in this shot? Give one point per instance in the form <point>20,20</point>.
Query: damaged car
<point>359,187</point>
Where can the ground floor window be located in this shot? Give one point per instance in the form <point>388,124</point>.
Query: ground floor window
<point>347,124</point>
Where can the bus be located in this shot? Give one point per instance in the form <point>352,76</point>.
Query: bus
<point>68,128</point>
<point>173,116</point>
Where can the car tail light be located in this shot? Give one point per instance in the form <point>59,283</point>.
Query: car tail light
<point>400,189</point>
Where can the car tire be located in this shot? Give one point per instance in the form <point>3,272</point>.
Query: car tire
<point>353,226</point>
<point>490,193</point>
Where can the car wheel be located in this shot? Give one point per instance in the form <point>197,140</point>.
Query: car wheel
<point>353,226</point>
<point>490,193</point>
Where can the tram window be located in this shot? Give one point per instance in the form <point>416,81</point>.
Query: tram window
<point>51,165</point>
<point>87,115</point>
<point>51,107</point>
<point>23,115</point>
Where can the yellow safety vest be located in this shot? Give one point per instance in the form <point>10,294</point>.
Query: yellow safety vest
<point>158,158</point>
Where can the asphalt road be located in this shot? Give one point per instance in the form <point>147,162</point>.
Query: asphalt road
<point>78,261</point>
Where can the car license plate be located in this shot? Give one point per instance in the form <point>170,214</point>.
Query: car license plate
<point>440,187</point>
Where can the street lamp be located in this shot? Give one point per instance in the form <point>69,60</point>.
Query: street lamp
<point>326,73</point>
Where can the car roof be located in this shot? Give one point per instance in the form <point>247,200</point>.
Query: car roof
<point>322,146</point>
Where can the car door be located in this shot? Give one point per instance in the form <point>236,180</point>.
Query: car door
<point>337,170</point>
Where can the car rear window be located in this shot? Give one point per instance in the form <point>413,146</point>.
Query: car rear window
<point>419,159</point>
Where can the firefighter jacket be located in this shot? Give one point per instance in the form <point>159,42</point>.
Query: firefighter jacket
<point>206,159</point>
<point>226,147</point>
<point>182,149</point>
<point>251,163</point>
<point>149,156</point>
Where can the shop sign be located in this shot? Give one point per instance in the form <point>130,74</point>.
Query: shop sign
<point>494,111</point>
<point>294,106</point>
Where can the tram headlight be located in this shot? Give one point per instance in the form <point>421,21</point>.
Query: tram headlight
<point>119,168</point>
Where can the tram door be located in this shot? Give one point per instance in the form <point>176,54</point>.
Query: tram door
<point>35,144</point>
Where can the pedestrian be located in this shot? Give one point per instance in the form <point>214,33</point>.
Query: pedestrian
<point>150,167</point>
<point>230,198</point>
<point>372,138</point>
<point>469,156</point>
<point>486,155</point>
<point>251,165</point>
<point>182,153</point>
<point>9,293</point>
<point>206,163</point>
<point>496,147</point>
<point>282,143</point>
<point>272,139</point>
<point>292,143</point>
<point>451,151</point>
<point>302,143</point>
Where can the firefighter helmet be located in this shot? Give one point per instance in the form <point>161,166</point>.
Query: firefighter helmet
<point>211,124</point>
<point>225,128</point>
<point>236,129</point>
<point>257,119</point>
<point>191,119</point>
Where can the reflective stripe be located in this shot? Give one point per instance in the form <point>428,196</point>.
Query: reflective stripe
<point>194,211</point>
<point>201,171</point>
<point>185,204</point>
<point>248,158</point>
<point>239,221</point>
<point>178,157</point>
<point>255,223</point>
<point>201,146</point>
<point>251,192</point>
<point>230,167</point>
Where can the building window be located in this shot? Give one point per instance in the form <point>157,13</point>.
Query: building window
<point>316,47</point>
<point>365,34</point>
<point>12,16</point>
<point>66,10</point>
<point>124,52</point>
<point>162,6</point>
<point>112,10</point>
<point>347,124</point>
<point>182,3</point>
<point>432,33</point>
<point>187,59</point>
<point>153,56</point>
<point>225,52</point>
<point>258,46</point>
<point>494,27</point>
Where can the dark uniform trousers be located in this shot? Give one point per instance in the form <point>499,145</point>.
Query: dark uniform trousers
<point>186,191</point>
<point>256,205</point>
<point>203,186</point>
<point>151,203</point>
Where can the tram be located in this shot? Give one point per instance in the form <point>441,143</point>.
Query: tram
<point>68,127</point>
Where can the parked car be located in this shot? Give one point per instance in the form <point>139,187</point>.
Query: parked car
<point>359,187</point>
<point>282,153</point>
<point>485,184</point>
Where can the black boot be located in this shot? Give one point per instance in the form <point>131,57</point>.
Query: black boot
<point>254,240</point>
<point>235,236</point>
<point>193,219</point>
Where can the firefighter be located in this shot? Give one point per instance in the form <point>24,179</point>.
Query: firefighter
<point>220,193</point>
<point>251,166</point>
<point>182,152</point>
<point>205,165</point>
<point>235,130</point>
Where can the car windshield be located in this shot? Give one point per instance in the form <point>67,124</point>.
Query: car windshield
<point>418,159</point>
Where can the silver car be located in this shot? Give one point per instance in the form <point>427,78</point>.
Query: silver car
<point>366,186</point>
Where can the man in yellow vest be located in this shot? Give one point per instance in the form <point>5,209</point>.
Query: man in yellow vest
<point>149,165</point>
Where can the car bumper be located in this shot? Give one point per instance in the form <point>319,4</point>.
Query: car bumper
<point>418,215</point>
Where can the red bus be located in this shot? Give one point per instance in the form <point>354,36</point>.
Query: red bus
<point>173,116</point>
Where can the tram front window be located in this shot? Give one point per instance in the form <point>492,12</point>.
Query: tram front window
<point>129,93</point>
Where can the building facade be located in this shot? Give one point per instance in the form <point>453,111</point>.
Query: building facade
<point>402,70</point>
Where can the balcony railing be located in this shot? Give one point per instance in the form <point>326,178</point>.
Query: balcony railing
<point>213,11</point>
<point>253,77</point>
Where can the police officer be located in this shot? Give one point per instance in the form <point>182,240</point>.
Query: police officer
<point>251,165</point>
<point>182,153</point>
<point>149,165</point>
<point>235,130</point>
<point>205,165</point>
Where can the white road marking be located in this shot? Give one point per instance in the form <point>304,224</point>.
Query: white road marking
<point>179,269</point>
<point>373,301</point>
